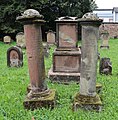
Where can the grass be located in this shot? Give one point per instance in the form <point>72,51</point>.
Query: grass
<point>14,81</point>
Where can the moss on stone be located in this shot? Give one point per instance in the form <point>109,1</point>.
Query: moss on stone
<point>39,102</point>
<point>87,102</point>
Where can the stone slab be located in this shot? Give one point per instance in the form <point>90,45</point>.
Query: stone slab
<point>66,61</point>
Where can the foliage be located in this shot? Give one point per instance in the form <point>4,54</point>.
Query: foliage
<point>14,81</point>
<point>51,9</point>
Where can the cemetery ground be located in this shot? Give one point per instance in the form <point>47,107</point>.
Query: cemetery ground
<point>14,82</point>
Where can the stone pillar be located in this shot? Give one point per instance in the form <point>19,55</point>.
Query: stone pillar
<point>87,97</point>
<point>39,95</point>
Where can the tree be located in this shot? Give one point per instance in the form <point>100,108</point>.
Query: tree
<point>51,9</point>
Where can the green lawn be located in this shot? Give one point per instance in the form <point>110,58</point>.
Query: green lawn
<point>14,81</point>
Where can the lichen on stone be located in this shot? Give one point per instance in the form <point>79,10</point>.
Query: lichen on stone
<point>90,16</point>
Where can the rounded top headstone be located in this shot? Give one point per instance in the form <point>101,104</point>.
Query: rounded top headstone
<point>30,14</point>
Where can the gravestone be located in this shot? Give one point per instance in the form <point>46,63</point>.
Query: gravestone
<point>14,57</point>
<point>20,40</point>
<point>39,94</point>
<point>7,39</point>
<point>104,39</point>
<point>50,37</point>
<point>67,55</point>
<point>105,66</point>
<point>87,98</point>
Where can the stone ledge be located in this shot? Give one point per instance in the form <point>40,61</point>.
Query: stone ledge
<point>102,47</point>
<point>62,77</point>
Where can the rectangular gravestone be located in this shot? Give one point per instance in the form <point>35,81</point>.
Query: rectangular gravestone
<point>104,39</point>
<point>67,35</point>
<point>67,55</point>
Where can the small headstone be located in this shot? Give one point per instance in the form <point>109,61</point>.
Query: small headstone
<point>20,39</point>
<point>7,39</point>
<point>105,66</point>
<point>51,37</point>
<point>104,39</point>
<point>14,57</point>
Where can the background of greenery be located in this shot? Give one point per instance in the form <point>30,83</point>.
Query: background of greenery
<point>14,81</point>
<point>51,9</point>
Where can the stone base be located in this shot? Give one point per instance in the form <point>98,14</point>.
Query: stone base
<point>65,78</point>
<point>87,102</point>
<point>39,100</point>
<point>104,47</point>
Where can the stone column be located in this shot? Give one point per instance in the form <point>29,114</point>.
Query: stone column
<point>39,95</point>
<point>87,97</point>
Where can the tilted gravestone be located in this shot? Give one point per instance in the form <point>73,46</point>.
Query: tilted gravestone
<point>105,66</point>
<point>14,57</point>
<point>20,40</point>
<point>7,39</point>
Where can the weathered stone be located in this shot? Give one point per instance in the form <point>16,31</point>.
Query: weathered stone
<point>39,100</point>
<point>67,55</point>
<point>67,32</point>
<point>7,39</point>
<point>39,95</point>
<point>87,97</point>
<point>105,66</point>
<point>105,38</point>
<point>14,57</point>
<point>64,77</point>
<point>87,102</point>
<point>51,37</point>
<point>66,61</point>
<point>20,39</point>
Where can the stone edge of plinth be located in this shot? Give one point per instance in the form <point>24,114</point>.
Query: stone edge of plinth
<point>87,102</point>
<point>98,87</point>
<point>104,47</point>
<point>64,78</point>
<point>47,101</point>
